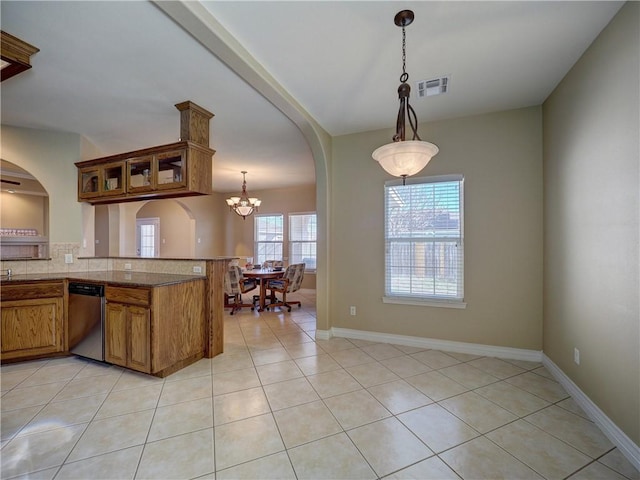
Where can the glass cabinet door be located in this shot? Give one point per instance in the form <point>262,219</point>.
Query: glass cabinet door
<point>140,174</point>
<point>89,182</point>
<point>113,179</point>
<point>171,169</point>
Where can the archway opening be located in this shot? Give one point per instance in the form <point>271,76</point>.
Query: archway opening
<point>24,214</point>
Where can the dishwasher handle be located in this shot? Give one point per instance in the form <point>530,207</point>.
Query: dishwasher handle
<point>88,289</point>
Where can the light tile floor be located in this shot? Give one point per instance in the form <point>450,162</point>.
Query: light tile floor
<point>278,404</point>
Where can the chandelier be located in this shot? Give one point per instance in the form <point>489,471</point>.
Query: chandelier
<point>243,205</point>
<point>403,158</point>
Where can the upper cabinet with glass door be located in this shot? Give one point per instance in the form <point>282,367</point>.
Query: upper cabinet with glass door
<point>171,170</point>
<point>139,174</point>
<point>174,170</point>
<point>162,171</point>
<point>106,180</point>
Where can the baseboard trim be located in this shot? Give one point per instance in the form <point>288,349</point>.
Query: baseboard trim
<point>434,344</point>
<point>323,334</point>
<point>626,446</point>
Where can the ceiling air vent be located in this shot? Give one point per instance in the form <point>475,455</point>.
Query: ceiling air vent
<point>434,86</point>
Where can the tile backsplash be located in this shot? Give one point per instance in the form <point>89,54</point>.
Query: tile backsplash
<point>57,264</point>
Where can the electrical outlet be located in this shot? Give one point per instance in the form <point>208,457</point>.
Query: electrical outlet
<point>576,356</point>
<point>197,269</point>
<point>68,258</point>
<point>127,266</point>
<point>352,310</point>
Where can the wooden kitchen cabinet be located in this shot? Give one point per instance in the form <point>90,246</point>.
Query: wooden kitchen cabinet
<point>162,171</point>
<point>155,330</point>
<point>140,174</point>
<point>139,339</point>
<point>174,170</point>
<point>101,181</point>
<point>115,334</point>
<point>32,317</point>
<point>127,328</point>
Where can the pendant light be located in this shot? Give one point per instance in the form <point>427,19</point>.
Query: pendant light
<point>403,158</point>
<point>243,205</point>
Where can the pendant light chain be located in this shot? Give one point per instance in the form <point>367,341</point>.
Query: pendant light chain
<point>405,76</point>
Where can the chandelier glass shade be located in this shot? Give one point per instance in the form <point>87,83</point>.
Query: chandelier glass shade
<point>403,158</point>
<point>243,205</point>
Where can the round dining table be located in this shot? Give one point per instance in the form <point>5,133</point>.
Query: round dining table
<point>263,275</point>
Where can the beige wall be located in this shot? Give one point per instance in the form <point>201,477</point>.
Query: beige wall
<point>24,211</point>
<point>50,158</point>
<point>209,212</point>
<point>591,152</point>
<point>500,156</point>
<point>177,228</point>
<point>102,230</point>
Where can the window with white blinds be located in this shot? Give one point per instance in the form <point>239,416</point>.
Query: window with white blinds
<point>269,236</point>
<point>424,241</point>
<point>303,232</point>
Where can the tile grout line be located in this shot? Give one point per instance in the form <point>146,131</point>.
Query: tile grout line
<point>88,423</point>
<point>272,328</point>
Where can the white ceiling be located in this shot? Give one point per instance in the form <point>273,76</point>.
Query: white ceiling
<point>112,71</point>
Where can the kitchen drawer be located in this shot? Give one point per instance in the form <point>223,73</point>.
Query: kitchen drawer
<point>31,290</point>
<point>131,296</point>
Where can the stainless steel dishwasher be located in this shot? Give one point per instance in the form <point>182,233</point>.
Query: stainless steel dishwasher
<point>86,320</point>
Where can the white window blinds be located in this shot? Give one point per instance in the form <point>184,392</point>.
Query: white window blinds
<point>424,239</point>
<point>269,236</point>
<point>303,231</point>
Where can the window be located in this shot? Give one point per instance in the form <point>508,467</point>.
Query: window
<point>424,242</point>
<point>269,234</point>
<point>303,230</point>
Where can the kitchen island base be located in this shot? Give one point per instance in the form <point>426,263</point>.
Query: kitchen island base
<point>154,323</point>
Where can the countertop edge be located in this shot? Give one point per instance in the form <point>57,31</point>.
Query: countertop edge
<point>119,278</point>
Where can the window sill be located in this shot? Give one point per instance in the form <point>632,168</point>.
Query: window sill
<point>425,303</point>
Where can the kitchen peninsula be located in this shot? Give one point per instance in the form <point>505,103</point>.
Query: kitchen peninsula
<point>155,322</point>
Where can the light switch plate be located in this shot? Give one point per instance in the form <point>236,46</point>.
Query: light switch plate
<point>68,258</point>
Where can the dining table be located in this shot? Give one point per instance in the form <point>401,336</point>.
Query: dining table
<point>263,275</point>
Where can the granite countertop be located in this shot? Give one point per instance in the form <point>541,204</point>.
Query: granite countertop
<point>140,279</point>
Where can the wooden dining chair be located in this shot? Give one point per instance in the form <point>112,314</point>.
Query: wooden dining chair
<point>288,283</point>
<point>235,284</point>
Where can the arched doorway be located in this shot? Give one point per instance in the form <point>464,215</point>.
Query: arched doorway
<point>24,214</point>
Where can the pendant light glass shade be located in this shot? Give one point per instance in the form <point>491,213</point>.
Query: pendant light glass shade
<point>403,159</point>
